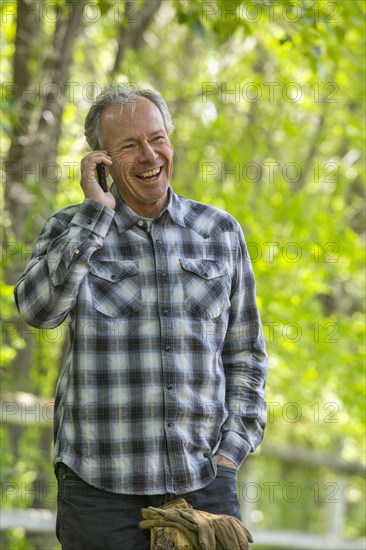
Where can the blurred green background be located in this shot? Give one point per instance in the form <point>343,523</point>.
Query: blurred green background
<point>267,100</point>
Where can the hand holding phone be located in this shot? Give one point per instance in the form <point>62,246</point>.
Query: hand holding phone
<point>102,178</point>
<point>94,168</point>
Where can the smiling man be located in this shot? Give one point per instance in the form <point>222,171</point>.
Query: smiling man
<point>162,392</point>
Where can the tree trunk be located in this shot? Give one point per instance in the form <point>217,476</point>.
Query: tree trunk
<point>35,138</point>
<point>34,144</point>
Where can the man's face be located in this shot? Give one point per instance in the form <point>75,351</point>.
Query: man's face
<point>135,138</point>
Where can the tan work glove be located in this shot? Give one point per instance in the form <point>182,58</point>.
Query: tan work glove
<point>170,515</point>
<point>205,531</point>
<point>230,533</point>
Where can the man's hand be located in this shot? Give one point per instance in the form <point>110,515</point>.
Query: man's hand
<point>89,182</point>
<point>223,461</point>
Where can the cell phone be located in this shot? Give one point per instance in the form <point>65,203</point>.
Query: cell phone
<point>102,178</point>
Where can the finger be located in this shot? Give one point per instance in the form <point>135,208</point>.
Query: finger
<point>149,514</point>
<point>240,528</point>
<point>92,159</point>
<point>89,179</point>
<point>97,156</point>
<point>89,163</point>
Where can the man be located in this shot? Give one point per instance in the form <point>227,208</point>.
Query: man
<point>162,393</point>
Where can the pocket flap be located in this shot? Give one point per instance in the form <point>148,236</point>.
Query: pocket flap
<point>114,271</point>
<point>207,269</point>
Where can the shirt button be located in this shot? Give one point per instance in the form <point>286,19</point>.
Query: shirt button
<point>170,386</point>
<point>140,223</point>
<point>163,275</point>
<point>165,311</point>
<point>113,277</point>
<point>170,424</point>
<point>88,221</point>
<point>76,251</point>
<point>167,348</point>
<point>205,274</point>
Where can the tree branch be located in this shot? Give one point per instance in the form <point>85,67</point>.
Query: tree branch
<point>131,37</point>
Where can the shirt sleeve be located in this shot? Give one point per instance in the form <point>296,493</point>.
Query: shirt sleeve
<point>245,362</point>
<point>48,288</point>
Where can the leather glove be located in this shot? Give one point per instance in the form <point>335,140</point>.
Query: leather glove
<point>230,533</point>
<point>205,531</point>
<point>170,515</point>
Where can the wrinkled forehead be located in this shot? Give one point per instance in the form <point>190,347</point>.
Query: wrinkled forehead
<point>130,121</point>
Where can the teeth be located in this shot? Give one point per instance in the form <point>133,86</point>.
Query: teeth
<point>150,173</point>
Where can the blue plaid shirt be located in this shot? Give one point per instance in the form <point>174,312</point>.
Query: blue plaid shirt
<point>167,364</point>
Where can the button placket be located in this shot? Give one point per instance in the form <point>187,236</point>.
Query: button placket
<point>166,331</point>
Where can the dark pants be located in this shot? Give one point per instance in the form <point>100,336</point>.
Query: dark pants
<point>92,519</point>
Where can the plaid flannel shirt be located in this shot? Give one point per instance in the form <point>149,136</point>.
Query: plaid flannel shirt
<point>167,364</point>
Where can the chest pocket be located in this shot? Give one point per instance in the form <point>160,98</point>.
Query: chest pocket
<point>115,287</point>
<point>206,286</point>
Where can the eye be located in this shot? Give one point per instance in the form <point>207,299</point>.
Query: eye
<point>158,138</point>
<point>127,147</point>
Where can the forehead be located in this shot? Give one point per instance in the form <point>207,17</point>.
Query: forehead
<point>131,119</point>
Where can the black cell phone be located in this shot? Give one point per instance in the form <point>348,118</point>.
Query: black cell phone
<point>102,178</point>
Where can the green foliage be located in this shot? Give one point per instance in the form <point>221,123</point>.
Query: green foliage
<point>266,100</point>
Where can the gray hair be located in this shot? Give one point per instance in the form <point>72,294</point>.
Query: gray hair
<point>122,95</point>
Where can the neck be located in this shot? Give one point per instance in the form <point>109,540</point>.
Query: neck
<point>147,210</point>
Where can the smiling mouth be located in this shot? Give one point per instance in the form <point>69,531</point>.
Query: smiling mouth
<point>150,175</point>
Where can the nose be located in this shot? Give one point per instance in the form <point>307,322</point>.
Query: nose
<point>147,152</point>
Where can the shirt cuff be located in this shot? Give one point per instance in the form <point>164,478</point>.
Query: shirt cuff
<point>233,447</point>
<point>94,216</point>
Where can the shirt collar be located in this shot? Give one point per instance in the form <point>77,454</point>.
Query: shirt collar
<point>125,217</point>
